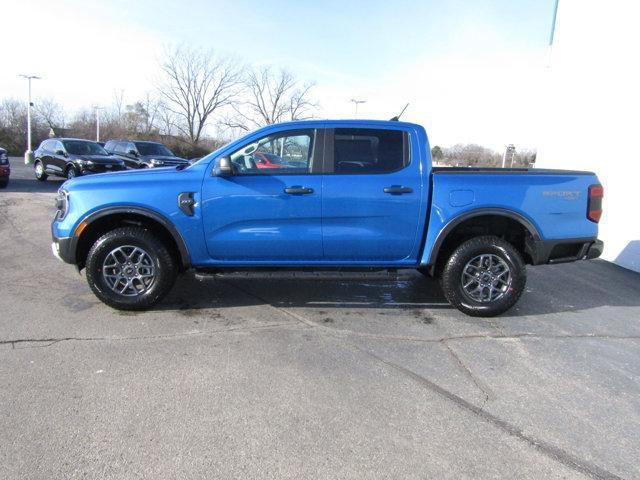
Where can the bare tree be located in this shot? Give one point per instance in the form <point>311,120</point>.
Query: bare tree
<point>166,120</point>
<point>470,155</point>
<point>50,112</point>
<point>272,97</point>
<point>118,103</point>
<point>13,126</point>
<point>142,116</point>
<point>196,85</point>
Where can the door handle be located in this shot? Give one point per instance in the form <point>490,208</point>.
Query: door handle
<point>397,190</point>
<point>298,190</point>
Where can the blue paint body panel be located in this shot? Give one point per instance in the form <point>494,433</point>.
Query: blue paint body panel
<point>348,220</point>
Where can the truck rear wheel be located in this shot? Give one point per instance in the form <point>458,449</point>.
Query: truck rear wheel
<point>484,276</point>
<point>130,269</point>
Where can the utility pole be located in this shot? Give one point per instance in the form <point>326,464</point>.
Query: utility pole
<point>28,155</point>
<point>97,109</point>
<point>356,103</point>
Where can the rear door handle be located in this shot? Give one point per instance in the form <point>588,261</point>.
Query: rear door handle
<point>296,190</point>
<point>397,190</point>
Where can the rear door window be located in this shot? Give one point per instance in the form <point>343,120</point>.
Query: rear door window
<point>367,151</point>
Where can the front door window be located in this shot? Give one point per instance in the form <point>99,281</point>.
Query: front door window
<point>286,153</point>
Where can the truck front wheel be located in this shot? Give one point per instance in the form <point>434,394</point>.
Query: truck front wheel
<point>484,276</point>
<point>130,269</point>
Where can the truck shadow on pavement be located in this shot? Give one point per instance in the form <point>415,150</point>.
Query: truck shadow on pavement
<point>322,290</point>
<point>550,289</point>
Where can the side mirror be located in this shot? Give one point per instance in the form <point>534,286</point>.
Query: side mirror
<point>61,152</point>
<point>133,153</point>
<point>224,168</point>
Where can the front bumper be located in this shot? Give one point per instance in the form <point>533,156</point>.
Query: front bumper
<point>63,248</point>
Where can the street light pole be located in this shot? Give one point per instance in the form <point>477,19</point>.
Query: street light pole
<point>356,102</point>
<point>97,109</point>
<point>28,155</point>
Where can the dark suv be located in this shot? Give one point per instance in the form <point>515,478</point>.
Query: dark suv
<point>5,168</point>
<point>143,154</point>
<point>71,157</point>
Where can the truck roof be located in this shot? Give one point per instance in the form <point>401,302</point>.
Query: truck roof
<point>354,122</point>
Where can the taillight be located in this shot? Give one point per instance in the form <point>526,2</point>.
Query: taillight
<point>594,205</point>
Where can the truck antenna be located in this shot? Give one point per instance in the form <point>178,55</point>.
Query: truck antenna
<point>397,117</point>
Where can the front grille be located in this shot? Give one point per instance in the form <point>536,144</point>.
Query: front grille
<point>170,163</point>
<point>101,167</point>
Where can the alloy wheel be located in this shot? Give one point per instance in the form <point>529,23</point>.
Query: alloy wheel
<point>128,270</point>
<point>486,278</point>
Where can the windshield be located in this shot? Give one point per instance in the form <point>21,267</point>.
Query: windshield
<point>148,148</point>
<point>79,147</point>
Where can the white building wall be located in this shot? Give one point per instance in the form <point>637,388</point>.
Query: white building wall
<point>592,118</point>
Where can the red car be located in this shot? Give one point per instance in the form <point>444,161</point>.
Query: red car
<point>268,160</point>
<point>5,168</point>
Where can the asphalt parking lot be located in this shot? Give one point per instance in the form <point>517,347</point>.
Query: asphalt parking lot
<point>331,375</point>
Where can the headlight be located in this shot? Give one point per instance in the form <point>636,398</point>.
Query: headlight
<point>86,163</point>
<point>62,204</point>
<point>156,163</point>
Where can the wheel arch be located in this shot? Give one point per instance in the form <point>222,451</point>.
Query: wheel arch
<point>101,221</point>
<point>500,220</point>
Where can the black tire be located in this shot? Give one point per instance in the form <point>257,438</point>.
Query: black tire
<point>39,172</point>
<point>162,260</point>
<point>452,276</point>
<point>4,183</point>
<point>71,172</point>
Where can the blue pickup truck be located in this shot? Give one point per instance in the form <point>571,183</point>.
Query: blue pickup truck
<point>326,194</point>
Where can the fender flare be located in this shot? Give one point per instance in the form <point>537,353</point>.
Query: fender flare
<point>481,212</point>
<point>185,259</point>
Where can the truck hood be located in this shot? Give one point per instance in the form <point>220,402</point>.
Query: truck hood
<point>134,178</point>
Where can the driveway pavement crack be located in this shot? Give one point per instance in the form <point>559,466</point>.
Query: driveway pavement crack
<point>47,342</point>
<point>480,385</point>
<point>547,449</point>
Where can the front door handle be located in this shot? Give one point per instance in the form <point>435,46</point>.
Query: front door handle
<point>397,190</point>
<point>296,190</point>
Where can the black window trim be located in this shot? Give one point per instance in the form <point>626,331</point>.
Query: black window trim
<point>328,163</point>
<point>317,153</point>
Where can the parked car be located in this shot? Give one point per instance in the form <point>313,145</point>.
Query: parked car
<point>144,154</point>
<point>270,160</point>
<point>72,157</point>
<point>5,168</point>
<point>363,194</point>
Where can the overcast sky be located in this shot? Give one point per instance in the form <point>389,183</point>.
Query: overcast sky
<point>470,69</point>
